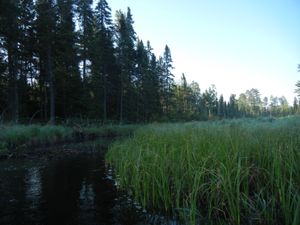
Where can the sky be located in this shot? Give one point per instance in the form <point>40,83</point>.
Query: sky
<point>234,44</point>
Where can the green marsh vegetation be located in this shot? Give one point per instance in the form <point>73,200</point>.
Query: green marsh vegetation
<point>21,136</point>
<point>224,172</point>
<point>14,136</point>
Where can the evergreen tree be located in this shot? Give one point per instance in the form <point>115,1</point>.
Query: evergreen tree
<point>195,99</point>
<point>210,101</point>
<point>28,58</point>
<point>46,36</point>
<point>86,21</point>
<point>103,61</point>
<point>232,107</point>
<point>142,80</point>
<point>126,61</point>
<point>243,106</point>
<point>10,34</point>
<point>167,79</point>
<point>221,107</point>
<point>152,86</point>
<point>66,63</point>
<point>295,106</point>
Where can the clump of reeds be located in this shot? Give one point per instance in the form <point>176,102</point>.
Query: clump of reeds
<point>226,172</point>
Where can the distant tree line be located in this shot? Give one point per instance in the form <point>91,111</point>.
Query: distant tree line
<point>64,59</point>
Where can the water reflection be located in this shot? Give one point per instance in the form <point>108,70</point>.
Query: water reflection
<point>69,190</point>
<point>33,187</point>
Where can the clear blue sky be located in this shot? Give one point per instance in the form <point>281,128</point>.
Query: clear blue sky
<point>234,44</point>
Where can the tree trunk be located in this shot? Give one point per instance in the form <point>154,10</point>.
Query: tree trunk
<point>121,105</point>
<point>13,82</point>
<point>51,86</point>
<point>104,103</point>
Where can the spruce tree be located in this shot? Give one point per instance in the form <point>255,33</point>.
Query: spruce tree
<point>221,107</point>
<point>10,39</point>
<point>103,62</point>
<point>66,63</point>
<point>46,31</point>
<point>86,29</point>
<point>167,79</point>
<point>125,38</point>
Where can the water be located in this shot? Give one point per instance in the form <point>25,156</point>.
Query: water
<point>70,189</point>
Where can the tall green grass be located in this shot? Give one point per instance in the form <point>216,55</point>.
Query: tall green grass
<point>226,172</point>
<point>17,135</point>
<point>14,136</point>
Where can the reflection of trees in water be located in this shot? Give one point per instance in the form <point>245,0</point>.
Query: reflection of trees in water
<point>72,190</point>
<point>61,186</point>
<point>13,189</point>
<point>33,187</point>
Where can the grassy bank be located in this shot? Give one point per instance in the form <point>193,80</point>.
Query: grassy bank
<point>226,172</point>
<point>14,137</point>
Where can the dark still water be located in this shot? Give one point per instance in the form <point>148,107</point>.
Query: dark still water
<point>69,190</point>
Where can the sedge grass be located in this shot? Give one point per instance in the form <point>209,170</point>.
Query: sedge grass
<point>12,136</point>
<point>226,172</point>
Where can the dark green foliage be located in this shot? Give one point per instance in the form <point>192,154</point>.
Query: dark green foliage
<point>46,28</point>
<point>63,59</point>
<point>104,77</point>
<point>126,59</point>
<point>167,80</point>
<point>67,76</point>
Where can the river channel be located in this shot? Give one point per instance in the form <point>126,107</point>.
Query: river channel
<point>69,189</point>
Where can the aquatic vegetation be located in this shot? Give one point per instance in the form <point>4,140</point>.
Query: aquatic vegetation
<point>16,136</point>
<point>12,136</point>
<point>223,172</point>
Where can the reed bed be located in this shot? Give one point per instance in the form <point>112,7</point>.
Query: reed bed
<point>14,136</point>
<point>224,172</point>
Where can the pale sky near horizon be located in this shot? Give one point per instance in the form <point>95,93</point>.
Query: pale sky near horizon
<point>235,45</point>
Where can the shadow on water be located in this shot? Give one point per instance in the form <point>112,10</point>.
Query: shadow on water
<point>69,190</point>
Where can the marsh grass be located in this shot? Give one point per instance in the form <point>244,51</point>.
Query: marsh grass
<point>110,130</point>
<point>14,136</point>
<point>224,172</point>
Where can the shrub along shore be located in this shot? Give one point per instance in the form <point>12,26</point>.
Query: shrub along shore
<point>223,172</point>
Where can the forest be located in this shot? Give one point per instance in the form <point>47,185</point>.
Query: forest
<point>72,59</point>
<point>95,128</point>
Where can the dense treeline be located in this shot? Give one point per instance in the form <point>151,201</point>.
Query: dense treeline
<point>66,59</point>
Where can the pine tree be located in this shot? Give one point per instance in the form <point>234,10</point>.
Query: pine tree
<point>86,21</point>
<point>221,107</point>
<point>232,107</point>
<point>46,31</point>
<point>66,62</point>
<point>152,87</point>
<point>103,61</point>
<point>10,38</point>
<point>28,58</point>
<point>126,61</point>
<point>296,106</point>
<point>210,101</point>
<point>142,80</point>
<point>167,79</point>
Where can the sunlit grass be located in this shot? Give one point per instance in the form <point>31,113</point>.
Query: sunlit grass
<point>226,172</point>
